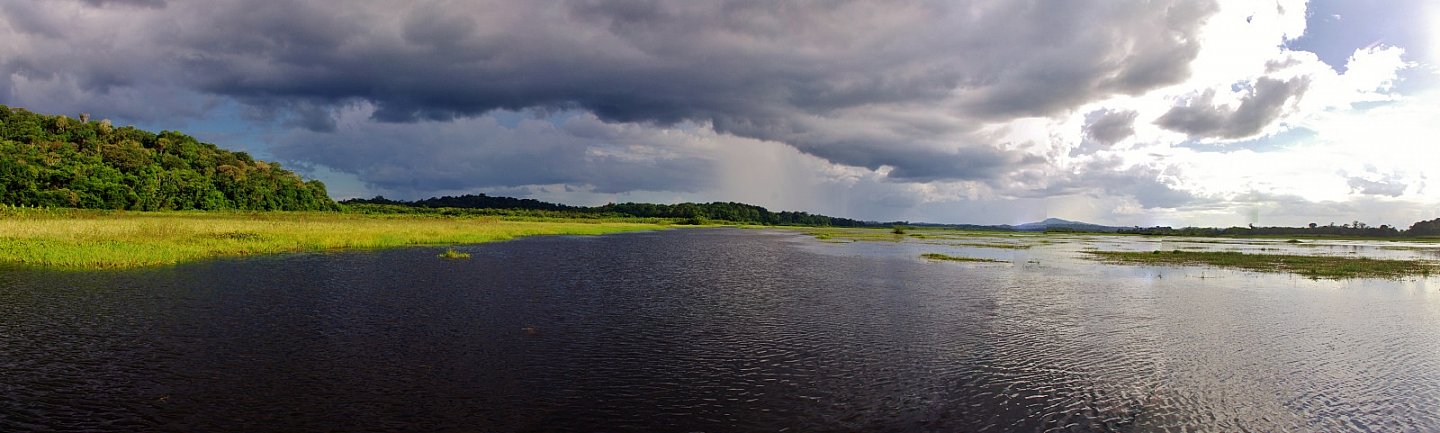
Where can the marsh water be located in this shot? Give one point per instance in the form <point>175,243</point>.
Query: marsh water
<point>721,330</point>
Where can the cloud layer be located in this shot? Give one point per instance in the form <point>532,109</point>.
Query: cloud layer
<point>937,101</point>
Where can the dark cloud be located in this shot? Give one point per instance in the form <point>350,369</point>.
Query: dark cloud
<point>794,72</point>
<point>415,159</point>
<point>1069,53</point>
<point>1109,127</point>
<point>1265,103</point>
<point>128,3</point>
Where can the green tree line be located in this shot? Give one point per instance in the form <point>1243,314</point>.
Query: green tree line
<point>694,213</point>
<point>58,161</point>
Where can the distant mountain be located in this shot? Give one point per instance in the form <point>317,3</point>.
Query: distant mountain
<point>1057,223</point>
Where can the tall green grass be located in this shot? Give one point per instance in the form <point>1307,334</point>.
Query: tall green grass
<point>88,239</point>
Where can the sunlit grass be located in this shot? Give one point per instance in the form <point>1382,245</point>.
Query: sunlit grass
<point>78,239</point>
<point>1310,266</point>
<point>452,254</point>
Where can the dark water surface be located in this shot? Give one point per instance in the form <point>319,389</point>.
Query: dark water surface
<point>710,330</point>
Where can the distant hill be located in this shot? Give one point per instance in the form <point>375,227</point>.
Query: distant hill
<point>58,161</point>
<point>1057,223</point>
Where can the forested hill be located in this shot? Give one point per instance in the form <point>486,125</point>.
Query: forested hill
<point>58,161</point>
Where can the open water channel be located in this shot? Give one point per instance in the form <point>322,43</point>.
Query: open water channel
<point>721,330</point>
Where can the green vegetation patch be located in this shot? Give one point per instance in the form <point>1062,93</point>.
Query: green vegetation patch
<point>452,254</point>
<point>950,258</point>
<point>57,161</point>
<point>92,239</point>
<point>1003,245</point>
<point>1310,266</point>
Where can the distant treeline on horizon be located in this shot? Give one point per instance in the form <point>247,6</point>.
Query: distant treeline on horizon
<point>694,213</point>
<point>1353,229</point>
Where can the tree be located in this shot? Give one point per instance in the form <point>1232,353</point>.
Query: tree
<point>52,161</point>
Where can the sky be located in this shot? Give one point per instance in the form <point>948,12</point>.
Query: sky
<point>1119,112</point>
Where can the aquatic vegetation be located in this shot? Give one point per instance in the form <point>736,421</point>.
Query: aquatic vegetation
<point>452,254</point>
<point>852,234</point>
<point>92,239</point>
<point>1002,245</point>
<point>1332,267</point>
<point>950,258</point>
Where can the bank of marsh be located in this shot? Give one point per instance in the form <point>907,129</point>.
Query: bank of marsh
<point>1309,266</point>
<point>76,239</point>
<point>950,258</point>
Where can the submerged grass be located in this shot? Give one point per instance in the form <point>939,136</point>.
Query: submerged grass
<point>87,239</point>
<point>1330,267</point>
<point>950,258</point>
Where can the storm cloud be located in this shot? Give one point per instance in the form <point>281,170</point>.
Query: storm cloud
<point>793,72</point>
<point>582,152</point>
<point>861,107</point>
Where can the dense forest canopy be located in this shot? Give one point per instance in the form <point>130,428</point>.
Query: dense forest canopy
<point>58,161</point>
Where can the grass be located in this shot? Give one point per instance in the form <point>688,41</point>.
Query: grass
<point>1007,246</point>
<point>1329,267</point>
<point>452,254</point>
<point>850,234</point>
<point>950,258</point>
<point>87,239</point>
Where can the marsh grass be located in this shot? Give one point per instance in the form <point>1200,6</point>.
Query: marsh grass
<point>1329,267</point>
<point>1001,245</point>
<point>452,254</point>
<point>86,239</point>
<point>950,258</point>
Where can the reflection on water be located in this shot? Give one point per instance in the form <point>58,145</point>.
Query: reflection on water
<point>713,330</point>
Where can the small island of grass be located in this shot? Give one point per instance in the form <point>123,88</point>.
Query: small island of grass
<point>950,258</point>
<point>1330,267</point>
<point>452,254</point>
